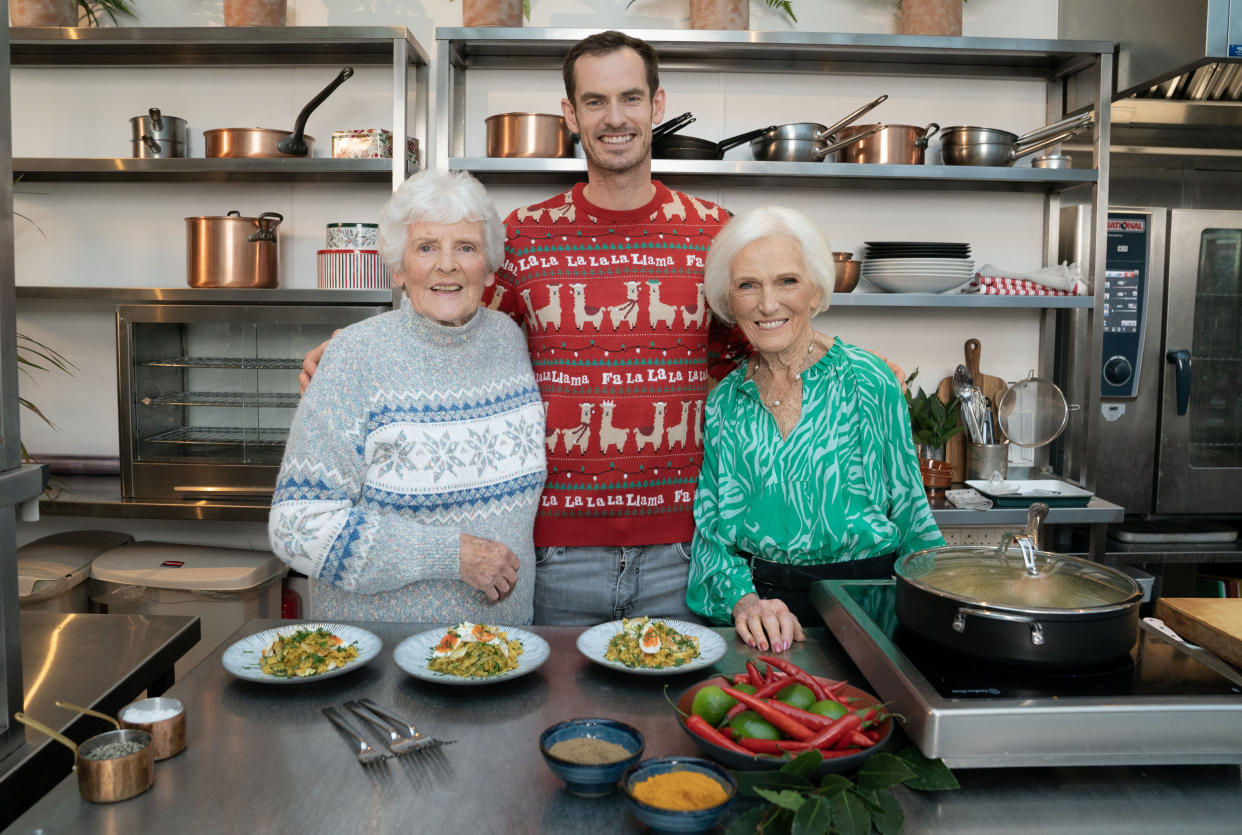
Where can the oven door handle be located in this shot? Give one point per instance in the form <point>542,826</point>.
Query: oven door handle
<point>216,491</point>
<point>1180,358</point>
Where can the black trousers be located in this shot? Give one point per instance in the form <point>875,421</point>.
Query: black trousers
<point>791,584</point>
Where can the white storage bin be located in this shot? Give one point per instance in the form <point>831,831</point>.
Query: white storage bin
<point>224,587</point>
<point>52,571</point>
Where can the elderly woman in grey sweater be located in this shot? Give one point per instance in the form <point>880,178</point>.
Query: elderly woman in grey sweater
<point>416,458</point>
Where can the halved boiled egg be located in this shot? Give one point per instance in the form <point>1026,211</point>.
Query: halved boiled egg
<point>447,644</point>
<point>650,640</point>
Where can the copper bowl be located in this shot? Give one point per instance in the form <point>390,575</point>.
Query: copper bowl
<point>847,273</point>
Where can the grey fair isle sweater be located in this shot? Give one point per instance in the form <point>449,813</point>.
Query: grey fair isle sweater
<point>410,434</point>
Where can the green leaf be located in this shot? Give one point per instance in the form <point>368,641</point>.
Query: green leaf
<point>748,823</point>
<point>890,820</point>
<point>883,770</point>
<point>785,799</point>
<point>850,815</point>
<point>804,765</point>
<point>813,818</point>
<point>749,781</point>
<point>871,799</point>
<point>833,784</point>
<point>930,775</point>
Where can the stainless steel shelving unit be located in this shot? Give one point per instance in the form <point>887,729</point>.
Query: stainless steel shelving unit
<point>188,295</point>
<point>290,46</point>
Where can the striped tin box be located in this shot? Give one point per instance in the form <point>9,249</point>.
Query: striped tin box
<point>352,269</point>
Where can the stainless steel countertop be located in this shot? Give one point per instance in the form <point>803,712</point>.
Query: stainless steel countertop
<point>97,661</point>
<point>261,758</point>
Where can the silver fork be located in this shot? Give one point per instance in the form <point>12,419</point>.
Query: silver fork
<point>396,723</point>
<point>367,754</point>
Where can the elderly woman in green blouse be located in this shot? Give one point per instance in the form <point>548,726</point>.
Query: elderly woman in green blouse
<point>809,471</point>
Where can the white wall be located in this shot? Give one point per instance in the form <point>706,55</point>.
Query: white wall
<point>133,234</point>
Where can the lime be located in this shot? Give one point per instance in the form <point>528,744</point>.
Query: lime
<point>712,704</point>
<point>829,708</point>
<point>750,725</point>
<point>798,695</point>
<point>744,688</point>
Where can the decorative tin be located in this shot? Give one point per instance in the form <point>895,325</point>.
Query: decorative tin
<point>352,235</point>
<point>370,143</point>
<point>352,269</point>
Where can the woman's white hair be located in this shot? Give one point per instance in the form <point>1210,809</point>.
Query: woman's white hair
<point>767,222</point>
<point>439,197</point>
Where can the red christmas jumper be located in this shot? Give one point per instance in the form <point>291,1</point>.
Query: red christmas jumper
<point>617,324</point>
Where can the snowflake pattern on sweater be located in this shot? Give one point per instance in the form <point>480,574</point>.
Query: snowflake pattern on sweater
<point>411,434</point>
<point>618,327</point>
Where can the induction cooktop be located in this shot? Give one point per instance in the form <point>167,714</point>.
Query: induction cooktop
<point>973,713</point>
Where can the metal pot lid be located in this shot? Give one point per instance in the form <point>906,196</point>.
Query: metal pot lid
<point>999,577</point>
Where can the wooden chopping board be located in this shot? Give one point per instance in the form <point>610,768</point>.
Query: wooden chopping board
<point>992,387</point>
<point>1214,623</point>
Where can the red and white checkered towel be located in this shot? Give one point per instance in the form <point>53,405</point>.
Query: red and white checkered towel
<point>1000,286</point>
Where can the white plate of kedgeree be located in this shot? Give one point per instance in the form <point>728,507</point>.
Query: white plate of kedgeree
<point>245,658</point>
<point>674,656</point>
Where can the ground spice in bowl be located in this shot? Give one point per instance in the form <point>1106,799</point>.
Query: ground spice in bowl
<point>113,750</point>
<point>680,791</point>
<point>587,750</point>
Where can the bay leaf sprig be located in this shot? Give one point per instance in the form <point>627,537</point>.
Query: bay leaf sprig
<point>796,804</point>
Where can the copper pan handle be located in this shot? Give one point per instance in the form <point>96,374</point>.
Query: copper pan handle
<point>827,132</point>
<point>88,712</point>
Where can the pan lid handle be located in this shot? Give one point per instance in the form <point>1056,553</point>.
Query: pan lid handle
<point>295,144</point>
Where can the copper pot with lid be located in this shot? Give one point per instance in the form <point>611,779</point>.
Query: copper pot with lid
<point>232,251</point>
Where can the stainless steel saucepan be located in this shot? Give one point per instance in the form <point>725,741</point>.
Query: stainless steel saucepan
<point>803,150</point>
<point>971,145</point>
<point>774,145</point>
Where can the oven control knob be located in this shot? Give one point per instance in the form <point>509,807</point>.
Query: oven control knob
<point>1117,370</point>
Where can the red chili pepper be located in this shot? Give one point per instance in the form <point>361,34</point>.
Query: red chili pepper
<point>768,676</point>
<point>740,678</point>
<point>773,746</point>
<point>859,739</point>
<point>789,727</point>
<point>811,720</point>
<point>771,688</point>
<point>752,671</point>
<point>799,675</point>
<point>699,726</point>
<point>840,729</point>
<point>733,711</point>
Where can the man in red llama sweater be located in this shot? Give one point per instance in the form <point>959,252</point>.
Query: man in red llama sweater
<point>607,279</point>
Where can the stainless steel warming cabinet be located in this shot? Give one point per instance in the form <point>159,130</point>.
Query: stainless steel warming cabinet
<point>207,394</point>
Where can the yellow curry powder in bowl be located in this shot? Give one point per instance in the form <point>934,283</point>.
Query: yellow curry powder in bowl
<point>679,794</point>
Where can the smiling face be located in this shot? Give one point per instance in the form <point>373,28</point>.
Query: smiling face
<point>772,297</point>
<point>613,110</point>
<point>444,270</point>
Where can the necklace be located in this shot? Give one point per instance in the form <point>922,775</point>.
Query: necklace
<point>806,363</point>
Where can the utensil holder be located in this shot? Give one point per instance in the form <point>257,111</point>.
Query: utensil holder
<point>984,459</point>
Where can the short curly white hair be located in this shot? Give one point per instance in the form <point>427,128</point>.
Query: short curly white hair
<point>767,222</point>
<point>439,197</point>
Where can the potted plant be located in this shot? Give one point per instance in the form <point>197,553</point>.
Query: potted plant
<point>494,12</point>
<point>66,12</point>
<point>930,17</point>
<point>729,14</point>
<point>255,12</point>
<point>92,9</point>
<point>932,421</point>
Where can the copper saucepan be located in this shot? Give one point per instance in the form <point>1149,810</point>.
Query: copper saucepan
<point>106,779</point>
<point>521,135</point>
<point>893,144</point>
<point>267,143</point>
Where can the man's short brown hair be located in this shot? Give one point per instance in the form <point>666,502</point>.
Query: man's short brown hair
<point>602,44</point>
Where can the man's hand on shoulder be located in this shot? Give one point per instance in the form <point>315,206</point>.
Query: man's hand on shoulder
<point>310,362</point>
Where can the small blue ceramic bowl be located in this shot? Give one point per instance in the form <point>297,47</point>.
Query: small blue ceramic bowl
<point>591,780</point>
<point>669,820</point>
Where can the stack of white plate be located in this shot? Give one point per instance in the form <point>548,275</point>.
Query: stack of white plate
<point>916,266</point>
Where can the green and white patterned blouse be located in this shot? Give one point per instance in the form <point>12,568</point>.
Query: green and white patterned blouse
<point>844,485</point>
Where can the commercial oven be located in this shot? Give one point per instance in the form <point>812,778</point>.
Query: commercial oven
<point>1170,369</point>
<point>207,394</point>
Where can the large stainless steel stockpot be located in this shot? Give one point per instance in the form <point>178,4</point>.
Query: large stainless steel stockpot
<point>156,136</point>
<point>1015,604</point>
<point>523,135</point>
<point>232,251</point>
<point>892,144</point>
